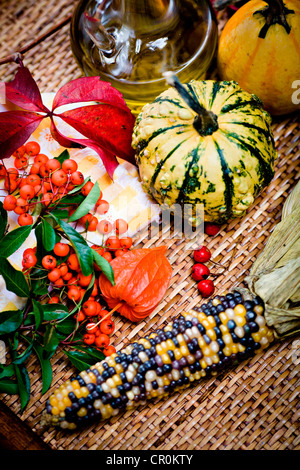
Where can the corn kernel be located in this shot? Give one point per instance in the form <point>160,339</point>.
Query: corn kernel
<point>177,354</point>
<point>211,321</point>
<point>240,320</point>
<point>227,339</point>
<point>77,393</point>
<point>117,380</point>
<point>110,382</point>
<point>67,401</point>
<point>55,411</point>
<point>258,309</point>
<point>75,384</point>
<point>184,350</point>
<point>239,309</point>
<point>211,334</point>
<point>170,345</point>
<point>166,358</point>
<point>180,339</point>
<point>223,317</point>
<point>256,336</point>
<point>201,316</point>
<point>227,351</point>
<point>84,391</point>
<point>53,400</point>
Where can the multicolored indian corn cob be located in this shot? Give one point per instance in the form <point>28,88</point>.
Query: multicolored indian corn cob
<point>225,330</point>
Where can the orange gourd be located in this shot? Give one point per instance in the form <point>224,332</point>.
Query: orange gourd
<point>259,48</point>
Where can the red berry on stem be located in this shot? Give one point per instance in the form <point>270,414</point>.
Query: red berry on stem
<point>206,288</point>
<point>200,272</point>
<point>202,254</point>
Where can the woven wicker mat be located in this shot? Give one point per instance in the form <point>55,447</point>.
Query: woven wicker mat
<point>255,406</point>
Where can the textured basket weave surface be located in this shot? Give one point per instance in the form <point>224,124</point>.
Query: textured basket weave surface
<point>256,405</point>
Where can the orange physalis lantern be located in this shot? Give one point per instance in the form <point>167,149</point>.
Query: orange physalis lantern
<point>142,277</point>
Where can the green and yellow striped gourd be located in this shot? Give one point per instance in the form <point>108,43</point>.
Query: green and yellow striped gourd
<point>206,142</point>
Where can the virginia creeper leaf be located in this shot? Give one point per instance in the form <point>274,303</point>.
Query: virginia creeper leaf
<point>86,89</point>
<point>15,280</point>
<point>109,159</point>
<point>109,127</point>
<point>24,92</point>
<point>13,240</point>
<point>15,129</point>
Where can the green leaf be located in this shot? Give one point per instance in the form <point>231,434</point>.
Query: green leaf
<point>54,311</point>
<point>40,249</point>
<point>69,200</point>
<point>21,358</point>
<point>38,313</point>
<point>67,327</point>
<point>51,341</point>
<point>105,266</point>
<point>88,203</point>
<point>60,213</point>
<point>13,240</point>
<point>6,371</point>
<point>48,235</point>
<point>10,321</point>
<point>8,386</point>
<point>63,156</point>
<point>14,279</point>
<point>23,384</point>
<point>92,352</point>
<point>46,367</point>
<point>80,360</point>
<point>82,249</point>
<point>3,220</point>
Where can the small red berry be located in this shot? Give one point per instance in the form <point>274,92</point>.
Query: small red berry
<point>88,338</point>
<point>206,288</point>
<point>211,229</point>
<point>202,254</point>
<point>200,272</point>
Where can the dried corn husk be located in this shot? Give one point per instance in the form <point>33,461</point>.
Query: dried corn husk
<point>275,275</point>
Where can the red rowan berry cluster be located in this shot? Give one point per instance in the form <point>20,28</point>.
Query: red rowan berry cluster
<point>36,178</point>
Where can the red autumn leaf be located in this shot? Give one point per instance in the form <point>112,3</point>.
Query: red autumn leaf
<point>142,277</point>
<point>16,128</point>
<point>109,160</point>
<point>86,89</point>
<point>107,126</point>
<point>23,92</point>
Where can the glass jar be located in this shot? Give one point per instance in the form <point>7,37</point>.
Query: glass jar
<point>130,43</point>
